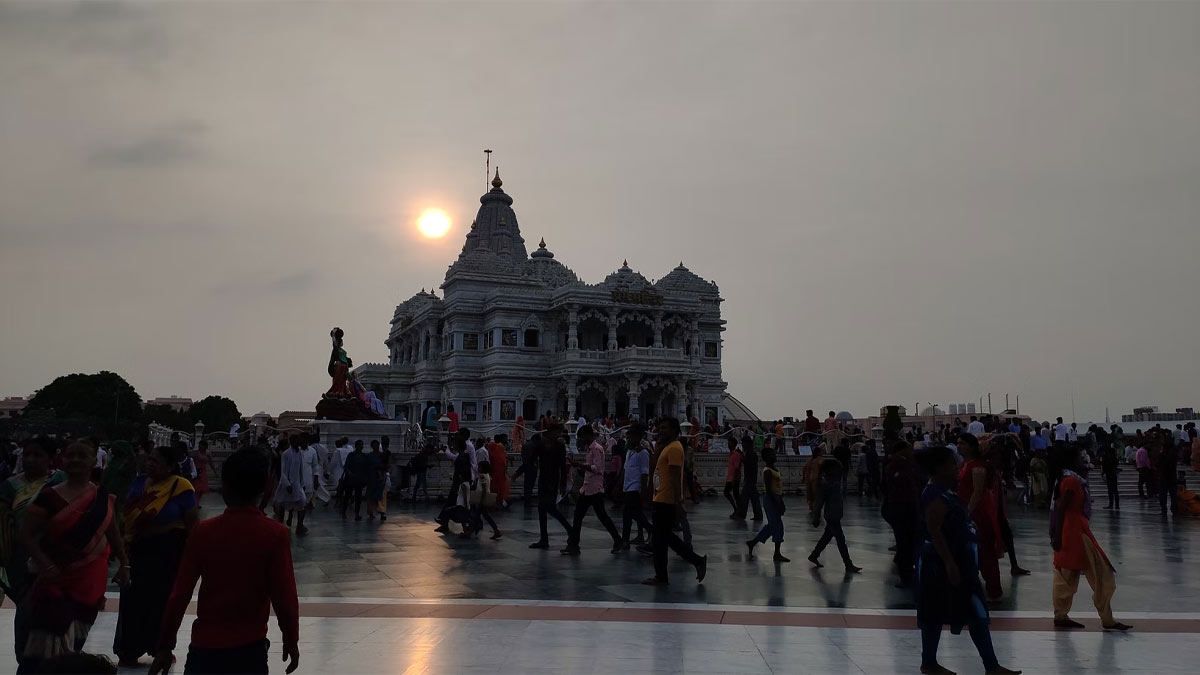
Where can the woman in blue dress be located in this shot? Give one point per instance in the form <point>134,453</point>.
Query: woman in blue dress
<point>948,587</point>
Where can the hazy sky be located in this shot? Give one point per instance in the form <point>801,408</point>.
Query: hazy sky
<point>901,202</point>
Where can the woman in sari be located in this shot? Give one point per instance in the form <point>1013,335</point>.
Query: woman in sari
<point>498,461</point>
<point>518,434</point>
<point>68,532</point>
<point>16,495</point>
<point>160,509</point>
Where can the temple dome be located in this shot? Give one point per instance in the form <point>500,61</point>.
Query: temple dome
<point>543,267</point>
<point>495,236</point>
<point>625,277</point>
<point>542,251</point>
<point>683,279</point>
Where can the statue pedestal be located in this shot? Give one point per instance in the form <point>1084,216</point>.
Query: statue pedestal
<point>397,431</point>
<point>344,409</point>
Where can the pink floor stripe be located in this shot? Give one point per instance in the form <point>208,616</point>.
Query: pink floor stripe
<point>692,616</point>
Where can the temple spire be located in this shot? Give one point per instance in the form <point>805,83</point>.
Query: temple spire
<point>496,182</point>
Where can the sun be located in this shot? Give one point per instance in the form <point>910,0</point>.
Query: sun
<point>434,223</point>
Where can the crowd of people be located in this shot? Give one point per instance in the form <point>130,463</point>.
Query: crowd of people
<point>75,513</point>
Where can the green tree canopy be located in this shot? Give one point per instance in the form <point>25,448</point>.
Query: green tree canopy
<point>102,396</point>
<point>166,416</point>
<point>101,403</point>
<point>217,412</point>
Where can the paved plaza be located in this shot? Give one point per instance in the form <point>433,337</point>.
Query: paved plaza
<point>397,597</point>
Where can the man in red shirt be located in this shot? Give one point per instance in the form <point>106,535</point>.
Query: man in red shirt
<point>812,425</point>
<point>243,561</point>
<point>453,417</point>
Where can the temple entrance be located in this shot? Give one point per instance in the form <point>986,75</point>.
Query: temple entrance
<point>529,409</point>
<point>622,404</point>
<point>634,334</point>
<point>592,404</point>
<point>593,334</point>
<point>658,401</point>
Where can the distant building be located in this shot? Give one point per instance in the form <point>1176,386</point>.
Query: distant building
<point>295,419</point>
<point>1150,413</point>
<point>939,418</point>
<point>12,406</point>
<point>518,334</point>
<point>177,403</point>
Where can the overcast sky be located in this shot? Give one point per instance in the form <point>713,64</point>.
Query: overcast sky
<point>901,202</point>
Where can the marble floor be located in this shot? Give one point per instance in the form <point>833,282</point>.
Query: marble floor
<point>399,598</point>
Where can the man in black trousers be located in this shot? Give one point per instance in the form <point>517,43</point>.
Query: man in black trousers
<point>749,481</point>
<point>550,453</point>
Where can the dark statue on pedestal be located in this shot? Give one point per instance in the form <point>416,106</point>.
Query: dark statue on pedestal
<point>346,398</point>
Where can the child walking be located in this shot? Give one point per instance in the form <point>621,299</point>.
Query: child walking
<point>772,502</point>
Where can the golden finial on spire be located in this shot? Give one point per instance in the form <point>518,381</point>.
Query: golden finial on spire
<point>496,182</point>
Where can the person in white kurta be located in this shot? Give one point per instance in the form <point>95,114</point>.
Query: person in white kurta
<point>291,495</point>
<point>310,470</point>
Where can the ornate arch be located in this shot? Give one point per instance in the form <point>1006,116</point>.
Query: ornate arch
<point>593,313</point>
<point>635,317</point>
<point>676,320</point>
<point>530,391</point>
<point>532,321</point>
<point>665,383</point>
<point>593,383</point>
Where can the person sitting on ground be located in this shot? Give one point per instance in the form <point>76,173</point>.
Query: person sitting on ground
<point>1189,501</point>
<point>243,562</point>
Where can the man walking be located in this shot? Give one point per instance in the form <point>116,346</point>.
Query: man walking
<point>1168,465</point>
<point>637,473</point>
<point>591,495</point>
<point>550,454</point>
<point>529,469</point>
<point>749,482</point>
<point>668,502</point>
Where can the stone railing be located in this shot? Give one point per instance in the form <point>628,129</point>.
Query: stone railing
<point>710,471</point>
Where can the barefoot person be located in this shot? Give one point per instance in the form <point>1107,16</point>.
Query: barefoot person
<point>772,501</point>
<point>69,531</point>
<point>830,502</point>
<point>1076,550</point>
<point>243,562</point>
<point>948,588</point>
<point>668,502</point>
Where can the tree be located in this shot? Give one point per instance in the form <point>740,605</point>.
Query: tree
<point>165,415</point>
<point>103,395</point>
<point>217,412</point>
<point>103,401</point>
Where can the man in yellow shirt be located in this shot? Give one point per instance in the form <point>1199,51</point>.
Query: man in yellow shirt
<point>668,502</point>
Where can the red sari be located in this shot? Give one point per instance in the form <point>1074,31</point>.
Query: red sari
<point>63,609</point>
<point>987,524</point>
<point>499,461</point>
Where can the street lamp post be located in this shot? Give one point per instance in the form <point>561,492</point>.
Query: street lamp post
<point>444,425</point>
<point>789,433</point>
<point>198,435</point>
<point>572,427</point>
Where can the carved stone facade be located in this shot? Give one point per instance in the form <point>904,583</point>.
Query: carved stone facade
<point>519,334</point>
